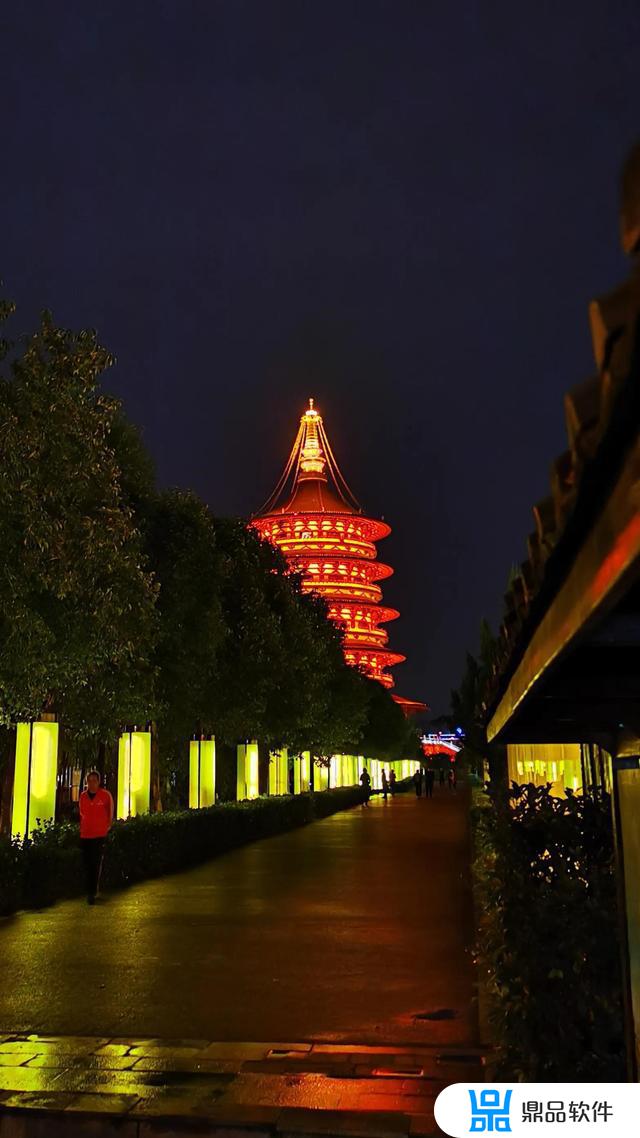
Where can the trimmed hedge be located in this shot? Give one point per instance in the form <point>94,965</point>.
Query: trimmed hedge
<point>547,937</point>
<point>48,868</point>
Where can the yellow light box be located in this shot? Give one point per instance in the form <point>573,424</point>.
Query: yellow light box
<point>36,771</point>
<point>134,773</point>
<point>202,773</point>
<point>248,784</point>
<point>279,772</point>
<point>320,777</point>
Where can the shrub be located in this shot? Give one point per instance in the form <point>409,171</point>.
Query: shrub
<point>547,943</point>
<point>48,868</point>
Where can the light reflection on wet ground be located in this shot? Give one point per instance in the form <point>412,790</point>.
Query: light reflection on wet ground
<point>341,930</point>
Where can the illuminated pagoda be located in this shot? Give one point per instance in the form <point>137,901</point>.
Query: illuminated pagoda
<point>316,521</point>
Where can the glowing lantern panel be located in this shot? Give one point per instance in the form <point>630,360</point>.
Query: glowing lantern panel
<point>248,781</point>
<point>202,773</point>
<point>279,772</point>
<point>134,773</point>
<point>36,770</point>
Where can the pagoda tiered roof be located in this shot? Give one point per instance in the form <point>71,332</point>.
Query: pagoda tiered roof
<point>316,521</point>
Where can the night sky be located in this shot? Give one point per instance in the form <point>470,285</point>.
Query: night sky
<point>401,208</point>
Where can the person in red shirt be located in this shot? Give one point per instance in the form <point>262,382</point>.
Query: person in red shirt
<point>96,816</point>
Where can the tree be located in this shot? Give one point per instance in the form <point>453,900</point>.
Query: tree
<point>77,605</point>
<point>387,733</point>
<point>182,552</point>
<point>466,706</point>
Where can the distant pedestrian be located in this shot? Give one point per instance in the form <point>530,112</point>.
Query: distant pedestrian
<point>430,775</point>
<point>96,816</point>
<point>385,785</point>
<point>392,783</point>
<point>365,782</point>
<point>452,778</point>
<point>417,782</point>
<point>441,776</point>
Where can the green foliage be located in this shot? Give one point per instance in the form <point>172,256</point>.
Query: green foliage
<point>547,935</point>
<point>467,707</point>
<point>182,552</point>
<point>387,734</point>
<point>76,604</point>
<point>48,868</point>
<point>120,604</point>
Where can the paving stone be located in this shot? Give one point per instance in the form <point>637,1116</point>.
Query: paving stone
<point>81,1041</point>
<point>159,1052</point>
<point>336,1123</point>
<point>141,1041</point>
<point>96,1103</point>
<point>17,1124</point>
<point>311,1091</point>
<point>321,1064</point>
<point>36,1100</point>
<point>277,1050</point>
<point>88,1062</point>
<point>232,1114</point>
<point>423,1126</point>
<point>139,1082</point>
<point>403,1104</point>
<point>360,1049</point>
<point>24,1079</point>
<point>15,1058</point>
<point>20,1046</point>
<point>84,1042</point>
<point>410,1059</point>
<point>245,1052</point>
<point>169,1103</point>
<point>239,1051</point>
<point>113,1049</point>
<point>177,1129</point>
<point>180,1064</point>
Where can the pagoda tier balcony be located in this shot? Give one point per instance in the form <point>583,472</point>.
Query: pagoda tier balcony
<point>373,663</point>
<point>338,591</point>
<point>373,638</point>
<point>375,658</point>
<point>362,616</point>
<point>319,545</point>
<point>340,568</point>
<point>340,526</point>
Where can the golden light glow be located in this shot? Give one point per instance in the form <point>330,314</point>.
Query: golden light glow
<point>36,770</point>
<point>540,763</point>
<point>305,771</point>
<point>202,773</point>
<point>248,781</point>
<point>279,772</point>
<point>334,771</point>
<point>134,773</point>
<point>320,777</point>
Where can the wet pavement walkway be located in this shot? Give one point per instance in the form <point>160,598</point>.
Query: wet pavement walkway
<point>349,933</point>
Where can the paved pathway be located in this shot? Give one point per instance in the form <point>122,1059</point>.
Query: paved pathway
<point>351,931</point>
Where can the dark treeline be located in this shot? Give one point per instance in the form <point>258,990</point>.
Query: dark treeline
<point>123,604</point>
